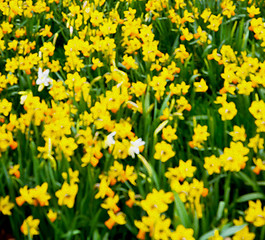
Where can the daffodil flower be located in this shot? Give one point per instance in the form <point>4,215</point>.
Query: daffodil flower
<point>134,148</point>
<point>43,79</point>
<point>110,139</point>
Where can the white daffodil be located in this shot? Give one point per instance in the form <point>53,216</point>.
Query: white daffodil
<point>43,79</point>
<point>110,140</point>
<point>134,148</point>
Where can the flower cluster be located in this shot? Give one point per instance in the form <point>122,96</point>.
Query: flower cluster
<point>132,118</point>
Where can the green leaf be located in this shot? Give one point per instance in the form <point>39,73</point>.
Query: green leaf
<point>250,196</point>
<point>247,180</point>
<point>232,230</point>
<point>181,211</point>
<point>207,235</point>
<point>70,233</point>
<point>220,210</point>
<point>207,50</point>
<point>196,226</point>
<point>96,235</point>
<point>106,236</point>
<point>233,29</point>
<point>150,170</point>
<point>164,105</point>
<point>94,222</point>
<point>261,183</point>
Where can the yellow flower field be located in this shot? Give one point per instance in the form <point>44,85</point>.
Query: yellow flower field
<point>132,119</point>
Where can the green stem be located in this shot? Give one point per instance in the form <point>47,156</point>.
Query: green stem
<point>225,133</point>
<point>262,234</point>
<point>227,190</point>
